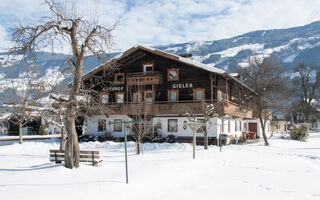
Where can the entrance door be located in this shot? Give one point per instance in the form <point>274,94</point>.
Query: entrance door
<point>253,127</point>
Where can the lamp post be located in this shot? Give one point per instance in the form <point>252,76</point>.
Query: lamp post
<point>194,125</point>
<point>125,142</point>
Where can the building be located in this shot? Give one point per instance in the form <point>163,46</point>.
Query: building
<point>163,87</point>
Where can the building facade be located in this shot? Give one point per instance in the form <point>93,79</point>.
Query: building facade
<point>163,88</point>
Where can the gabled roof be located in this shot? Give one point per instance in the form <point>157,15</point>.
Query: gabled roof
<point>169,56</point>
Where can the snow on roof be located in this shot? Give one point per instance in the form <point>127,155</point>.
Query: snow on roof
<point>4,116</point>
<point>188,61</point>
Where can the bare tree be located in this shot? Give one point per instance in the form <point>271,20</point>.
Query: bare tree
<point>208,112</point>
<point>307,88</point>
<point>265,78</point>
<point>141,109</point>
<point>22,94</point>
<point>84,37</point>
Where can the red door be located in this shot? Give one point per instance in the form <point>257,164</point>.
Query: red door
<point>253,128</point>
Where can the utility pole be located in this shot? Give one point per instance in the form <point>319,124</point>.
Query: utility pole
<point>125,142</point>
<point>194,126</point>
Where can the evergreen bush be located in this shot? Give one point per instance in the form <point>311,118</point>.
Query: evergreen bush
<point>299,133</point>
<point>43,130</point>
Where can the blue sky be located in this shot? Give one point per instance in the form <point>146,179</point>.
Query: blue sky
<point>158,22</point>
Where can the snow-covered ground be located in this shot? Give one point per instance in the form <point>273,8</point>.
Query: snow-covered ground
<point>285,170</point>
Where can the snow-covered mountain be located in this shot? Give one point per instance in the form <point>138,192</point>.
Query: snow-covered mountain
<point>289,46</point>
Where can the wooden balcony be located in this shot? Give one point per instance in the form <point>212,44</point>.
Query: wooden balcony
<point>180,108</point>
<point>144,78</point>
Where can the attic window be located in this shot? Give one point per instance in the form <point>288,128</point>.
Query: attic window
<point>147,68</point>
<point>119,78</point>
<point>173,74</point>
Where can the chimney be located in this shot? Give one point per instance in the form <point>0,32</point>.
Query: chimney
<point>186,55</point>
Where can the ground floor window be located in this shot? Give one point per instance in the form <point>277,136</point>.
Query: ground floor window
<point>117,127</point>
<point>102,125</point>
<point>172,125</point>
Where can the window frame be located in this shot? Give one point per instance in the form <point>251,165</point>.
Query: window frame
<point>116,78</point>
<point>103,94</point>
<point>104,122</point>
<point>116,97</point>
<point>177,95</point>
<point>135,99</point>
<point>195,94</point>
<point>147,64</point>
<point>145,96</point>
<point>173,79</point>
<point>174,131</point>
<point>116,125</point>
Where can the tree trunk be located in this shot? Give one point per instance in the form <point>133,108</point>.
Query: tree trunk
<point>205,140</point>
<point>263,127</point>
<point>63,140</point>
<point>72,153</point>
<point>20,133</point>
<point>138,146</point>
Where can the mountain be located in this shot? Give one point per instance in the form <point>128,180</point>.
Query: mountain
<point>289,46</point>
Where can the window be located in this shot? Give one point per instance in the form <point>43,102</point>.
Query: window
<point>148,97</point>
<point>222,126</point>
<point>172,125</point>
<point>173,95</point>
<point>102,125</point>
<point>105,98</point>
<point>119,78</point>
<point>173,74</point>
<point>240,126</point>
<point>147,68</point>
<point>117,127</point>
<point>235,126</point>
<point>198,94</point>
<point>119,97</point>
<point>229,124</point>
<point>137,98</point>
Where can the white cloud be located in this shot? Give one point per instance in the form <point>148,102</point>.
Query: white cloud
<point>169,21</point>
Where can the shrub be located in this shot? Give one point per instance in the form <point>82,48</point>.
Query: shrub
<point>43,130</point>
<point>299,133</point>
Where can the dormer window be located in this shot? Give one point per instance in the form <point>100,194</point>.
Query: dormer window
<point>147,67</point>
<point>119,78</point>
<point>173,74</point>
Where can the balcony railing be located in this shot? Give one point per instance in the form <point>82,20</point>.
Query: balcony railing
<point>144,78</point>
<point>180,107</point>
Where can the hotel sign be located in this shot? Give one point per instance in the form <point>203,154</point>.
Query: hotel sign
<point>113,89</point>
<point>182,85</point>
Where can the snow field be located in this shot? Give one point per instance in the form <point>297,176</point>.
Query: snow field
<point>285,170</point>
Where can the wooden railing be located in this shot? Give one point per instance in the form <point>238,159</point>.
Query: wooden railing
<point>144,78</point>
<point>180,107</point>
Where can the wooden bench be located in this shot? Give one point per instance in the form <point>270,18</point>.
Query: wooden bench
<point>58,156</point>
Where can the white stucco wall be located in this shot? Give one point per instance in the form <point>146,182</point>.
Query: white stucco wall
<point>259,129</point>
<point>91,125</point>
<point>213,131</point>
